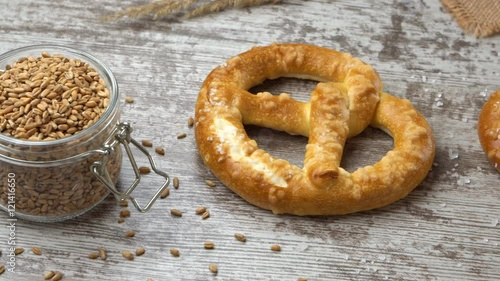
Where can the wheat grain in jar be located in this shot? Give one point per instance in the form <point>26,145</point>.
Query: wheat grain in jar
<point>60,134</point>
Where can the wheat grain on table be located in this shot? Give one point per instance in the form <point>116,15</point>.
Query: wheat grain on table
<point>446,229</point>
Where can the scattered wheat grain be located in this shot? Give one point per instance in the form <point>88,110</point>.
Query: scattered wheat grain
<point>49,274</point>
<point>125,213</point>
<point>200,210</point>
<point>175,212</point>
<point>140,251</point>
<point>209,245</point>
<point>128,255</point>
<point>58,276</point>
<point>165,193</point>
<point>147,143</point>
<point>240,237</point>
<point>213,268</point>
<point>210,183</point>
<point>36,251</point>
<point>129,99</point>
<point>102,253</point>
<point>174,252</point>
<point>176,182</point>
<point>160,150</point>
<point>205,215</point>
<point>144,170</point>
<point>18,251</point>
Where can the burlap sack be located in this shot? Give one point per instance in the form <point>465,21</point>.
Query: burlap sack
<point>480,17</point>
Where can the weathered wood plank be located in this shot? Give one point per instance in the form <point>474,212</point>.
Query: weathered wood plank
<point>447,229</point>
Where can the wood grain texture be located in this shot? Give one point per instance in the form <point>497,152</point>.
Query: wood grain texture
<point>446,229</point>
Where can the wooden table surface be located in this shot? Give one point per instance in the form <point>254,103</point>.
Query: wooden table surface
<point>446,229</point>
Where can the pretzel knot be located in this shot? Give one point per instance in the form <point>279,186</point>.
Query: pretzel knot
<point>348,99</point>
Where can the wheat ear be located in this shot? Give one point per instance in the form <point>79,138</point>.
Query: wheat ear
<point>161,8</point>
<point>219,5</point>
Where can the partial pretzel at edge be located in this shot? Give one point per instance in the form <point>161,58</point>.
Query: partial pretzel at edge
<point>489,129</point>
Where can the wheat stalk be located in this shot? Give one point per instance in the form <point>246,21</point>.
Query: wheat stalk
<point>162,8</point>
<point>219,5</point>
<point>177,6</point>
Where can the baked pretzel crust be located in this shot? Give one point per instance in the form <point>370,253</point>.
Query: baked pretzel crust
<point>348,100</point>
<point>489,129</point>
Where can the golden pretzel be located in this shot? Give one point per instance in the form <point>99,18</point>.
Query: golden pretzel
<point>489,129</point>
<point>348,100</point>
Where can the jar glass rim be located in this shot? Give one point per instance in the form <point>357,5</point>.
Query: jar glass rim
<point>102,68</point>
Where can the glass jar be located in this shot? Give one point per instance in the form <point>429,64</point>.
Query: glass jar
<point>56,180</point>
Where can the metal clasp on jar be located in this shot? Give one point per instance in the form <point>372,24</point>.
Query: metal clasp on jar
<point>122,135</point>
